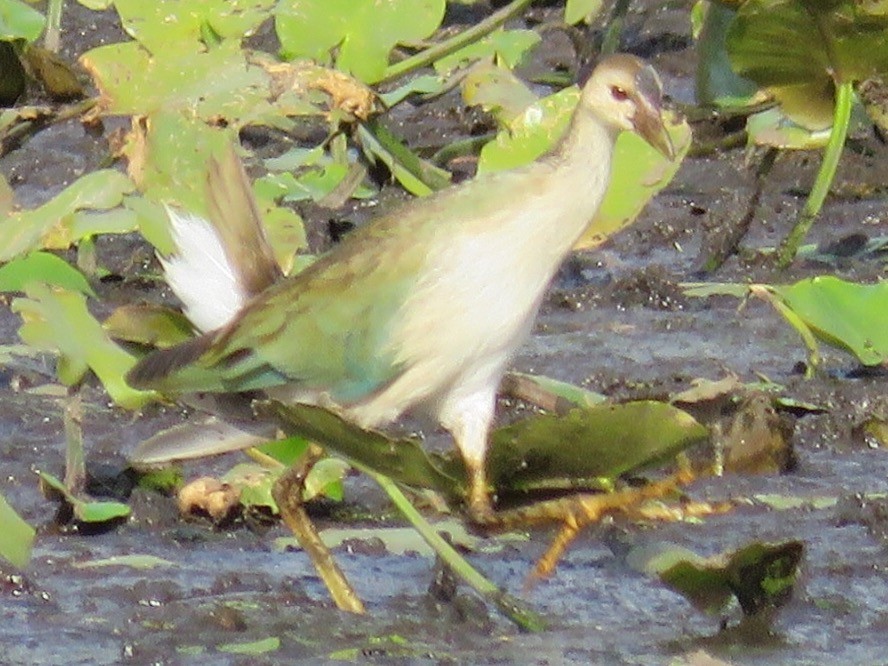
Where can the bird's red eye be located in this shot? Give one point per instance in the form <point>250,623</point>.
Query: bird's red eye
<point>619,93</point>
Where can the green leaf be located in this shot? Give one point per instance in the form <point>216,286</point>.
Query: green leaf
<point>19,21</point>
<point>261,646</point>
<point>42,267</point>
<point>55,224</point>
<point>843,314</point>
<point>800,50</point>
<point>325,479</point>
<point>717,83</point>
<point>148,324</point>
<point>58,321</point>
<point>496,90</point>
<point>205,83</point>
<point>286,451</point>
<point>541,451</point>
<point>416,175</point>
<point>760,575</point>
<point>774,128</point>
<point>581,10</point>
<point>362,32</point>
<point>162,24</point>
<point>602,441</point>
<point>86,511</point>
<point>508,47</point>
<point>16,536</point>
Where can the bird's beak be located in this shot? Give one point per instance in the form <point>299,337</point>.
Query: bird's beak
<point>649,112</point>
<point>649,124</point>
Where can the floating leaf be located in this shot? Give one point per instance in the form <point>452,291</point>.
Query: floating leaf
<point>362,32</point>
<point>496,90</point>
<point>16,536</point>
<point>586,443</point>
<point>42,267</point>
<point>161,24</point>
<point>541,451</point>
<point>843,314</point>
<point>261,646</point>
<point>133,561</point>
<point>507,47</point>
<point>582,10</point>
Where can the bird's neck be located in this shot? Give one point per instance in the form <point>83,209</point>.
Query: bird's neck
<point>578,172</point>
<point>588,143</point>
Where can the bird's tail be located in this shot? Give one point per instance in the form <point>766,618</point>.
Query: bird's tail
<point>176,369</point>
<point>218,265</point>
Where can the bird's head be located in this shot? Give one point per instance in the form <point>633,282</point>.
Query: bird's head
<point>625,92</point>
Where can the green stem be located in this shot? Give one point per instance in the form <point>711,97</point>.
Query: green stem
<point>841,119</point>
<point>455,43</point>
<point>512,608</point>
<point>52,35</point>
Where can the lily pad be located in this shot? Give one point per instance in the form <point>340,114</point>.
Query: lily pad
<point>843,314</point>
<point>800,50</point>
<point>19,21</point>
<point>542,451</point>
<point>362,33</point>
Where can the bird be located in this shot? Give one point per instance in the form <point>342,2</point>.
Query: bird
<point>419,310</point>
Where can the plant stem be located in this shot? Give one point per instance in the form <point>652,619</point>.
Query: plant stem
<point>287,492</point>
<point>52,35</point>
<point>456,42</point>
<point>511,607</point>
<point>841,119</point>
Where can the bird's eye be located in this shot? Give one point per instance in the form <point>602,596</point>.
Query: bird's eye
<point>619,93</point>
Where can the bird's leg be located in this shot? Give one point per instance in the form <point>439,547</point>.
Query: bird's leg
<point>468,420</point>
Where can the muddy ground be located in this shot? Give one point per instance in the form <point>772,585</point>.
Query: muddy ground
<point>615,322</point>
